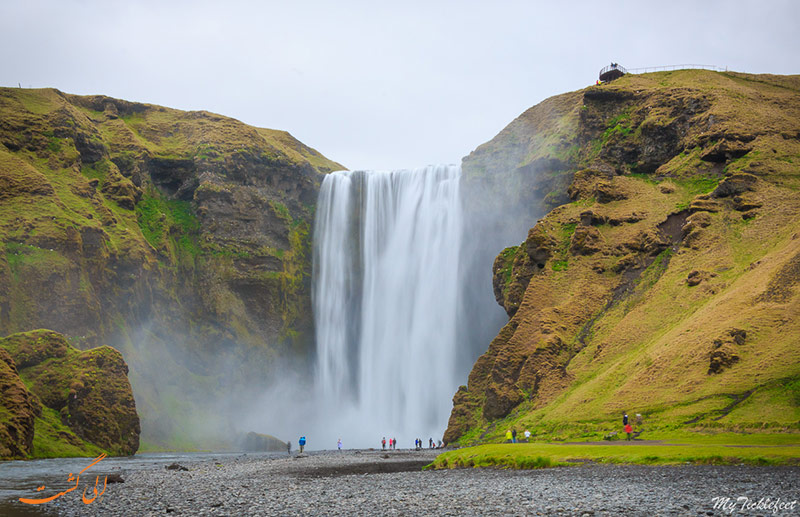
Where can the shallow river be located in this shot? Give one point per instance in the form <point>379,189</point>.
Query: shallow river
<point>22,478</point>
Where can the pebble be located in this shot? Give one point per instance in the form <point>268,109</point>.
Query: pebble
<point>348,483</point>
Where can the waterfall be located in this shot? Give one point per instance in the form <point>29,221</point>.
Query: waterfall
<point>386,255</point>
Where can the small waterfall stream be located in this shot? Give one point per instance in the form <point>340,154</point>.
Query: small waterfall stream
<point>386,258</point>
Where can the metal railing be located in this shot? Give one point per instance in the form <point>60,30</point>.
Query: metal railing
<point>673,67</point>
<point>613,66</point>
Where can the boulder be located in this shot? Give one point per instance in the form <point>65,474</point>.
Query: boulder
<point>540,245</point>
<point>586,240</point>
<point>740,204</point>
<point>590,218</point>
<point>734,185</point>
<point>695,221</point>
<point>696,277</point>
<point>721,358</point>
<point>649,241</point>
<point>725,150</point>
<point>606,191</point>
<point>666,188</point>
<point>584,181</point>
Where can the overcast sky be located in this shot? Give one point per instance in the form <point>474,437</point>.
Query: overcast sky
<point>372,84</point>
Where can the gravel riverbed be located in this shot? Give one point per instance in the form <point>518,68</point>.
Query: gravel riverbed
<point>392,483</point>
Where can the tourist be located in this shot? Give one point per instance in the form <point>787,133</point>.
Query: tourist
<point>514,436</point>
<point>383,443</point>
<point>302,443</point>
<point>508,436</point>
<point>629,430</point>
<point>288,447</point>
<point>339,444</point>
<point>394,443</point>
<point>625,418</point>
<point>527,436</point>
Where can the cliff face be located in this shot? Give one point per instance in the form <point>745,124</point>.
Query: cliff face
<point>665,281</point>
<point>180,238</point>
<point>61,401</point>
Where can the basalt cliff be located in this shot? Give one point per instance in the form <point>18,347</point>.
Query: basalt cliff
<point>181,239</point>
<point>663,277</point>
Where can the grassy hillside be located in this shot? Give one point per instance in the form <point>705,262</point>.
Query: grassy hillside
<point>180,238</point>
<point>666,283</point>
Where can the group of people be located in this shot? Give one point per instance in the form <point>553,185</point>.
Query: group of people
<point>511,436</point>
<point>418,443</point>
<point>392,443</point>
<point>431,444</point>
<point>627,426</point>
<point>301,442</point>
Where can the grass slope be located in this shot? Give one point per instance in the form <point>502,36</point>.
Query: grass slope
<point>542,455</point>
<point>611,320</point>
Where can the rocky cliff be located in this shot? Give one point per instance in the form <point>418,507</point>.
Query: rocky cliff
<point>180,238</point>
<point>663,279</point>
<point>57,400</point>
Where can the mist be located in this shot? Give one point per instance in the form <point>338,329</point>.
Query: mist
<point>402,308</point>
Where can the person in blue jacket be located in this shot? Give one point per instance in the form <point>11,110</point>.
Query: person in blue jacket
<point>302,443</point>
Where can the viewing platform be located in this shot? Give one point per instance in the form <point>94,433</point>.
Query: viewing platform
<point>611,72</point>
<point>615,70</point>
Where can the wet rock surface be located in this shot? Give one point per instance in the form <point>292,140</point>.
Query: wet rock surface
<point>364,483</point>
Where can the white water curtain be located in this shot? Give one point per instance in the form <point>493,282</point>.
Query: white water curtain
<point>386,261</point>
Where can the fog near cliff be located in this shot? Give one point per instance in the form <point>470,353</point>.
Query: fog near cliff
<point>377,85</point>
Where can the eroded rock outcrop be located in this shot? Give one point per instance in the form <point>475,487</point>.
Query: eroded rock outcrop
<point>89,391</point>
<point>19,410</point>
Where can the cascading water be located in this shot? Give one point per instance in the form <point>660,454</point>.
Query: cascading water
<point>386,261</point>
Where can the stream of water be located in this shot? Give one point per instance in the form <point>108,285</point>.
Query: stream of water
<point>386,260</point>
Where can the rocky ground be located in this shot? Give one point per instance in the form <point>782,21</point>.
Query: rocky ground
<point>392,483</point>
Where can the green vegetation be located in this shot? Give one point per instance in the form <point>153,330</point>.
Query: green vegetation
<point>631,321</point>
<point>700,184</point>
<point>618,127</point>
<point>169,225</point>
<point>567,230</point>
<point>98,170</point>
<point>507,257</point>
<point>541,455</point>
<point>52,439</point>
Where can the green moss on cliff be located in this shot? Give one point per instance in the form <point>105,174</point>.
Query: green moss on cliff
<point>670,282</point>
<point>133,216</point>
<point>170,226</point>
<point>84,400</point>
<point>52,439</point>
